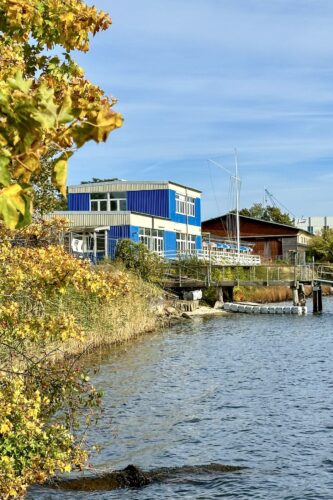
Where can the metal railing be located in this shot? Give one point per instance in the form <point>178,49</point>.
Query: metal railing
<point>324,272</point>
<point>214,256</point>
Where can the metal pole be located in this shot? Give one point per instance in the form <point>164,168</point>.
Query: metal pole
<point>237,207</point>
<point>317,297</point>
<point>295,287</point>
<point>95,245</point>
<point>106,243</point>
<point>320,300</point>
<point>186,210</point>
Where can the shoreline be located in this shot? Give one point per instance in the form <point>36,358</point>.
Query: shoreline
<point>137,314</point>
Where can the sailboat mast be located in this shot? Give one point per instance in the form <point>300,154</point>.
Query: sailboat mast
<point>237,206</point>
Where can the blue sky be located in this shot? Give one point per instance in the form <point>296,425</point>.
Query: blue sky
<point>197,78</point>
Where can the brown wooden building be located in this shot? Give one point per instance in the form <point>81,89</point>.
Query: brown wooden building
<point>270,240</point>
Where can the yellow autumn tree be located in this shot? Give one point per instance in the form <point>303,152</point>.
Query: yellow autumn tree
<point>46,104</point>
<point>45,100</point>
<point>42,393</point>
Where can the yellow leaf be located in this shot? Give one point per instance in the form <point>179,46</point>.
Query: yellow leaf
<point>65,111</point>
<point>5,427</point>
<point>11,205</point>
<point>59,175</point>
<point>106,121</point>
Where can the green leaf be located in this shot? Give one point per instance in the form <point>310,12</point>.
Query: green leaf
<point>82,133</point>
<point>65,113</point>
<point>25,218</point>
<point>4,172</point>
<point>19,83</point>
<point>46,112</point>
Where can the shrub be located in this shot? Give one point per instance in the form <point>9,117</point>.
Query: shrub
<point>136,257</point>
<point>42,394</point>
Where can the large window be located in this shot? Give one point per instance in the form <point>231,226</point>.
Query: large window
<point>108,202</point>
<point>118,201</point>
<point>191,206</point>
<point>152,238</point>
<point>185,205</point>
<point>185,243</point>
<point>99,202</point>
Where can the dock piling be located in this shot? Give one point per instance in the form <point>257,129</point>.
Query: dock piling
<point>317,298</point>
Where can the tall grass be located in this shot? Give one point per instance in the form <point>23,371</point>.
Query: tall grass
<point>125,318</point>
<point>271,293</point>
<point>263,294</point>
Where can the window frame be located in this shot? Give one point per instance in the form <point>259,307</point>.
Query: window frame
<point>185,205</point>
<point>96,200</point>
<point>185,243</point>
<point>153,239</point>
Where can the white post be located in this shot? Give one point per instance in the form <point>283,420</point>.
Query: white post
<point>70,242</point>
<point>237,207</point>
<point>95,244</point>
<point>186,210</point>
<point>106,243</point>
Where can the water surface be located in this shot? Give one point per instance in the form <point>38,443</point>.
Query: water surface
<point>243,390</point>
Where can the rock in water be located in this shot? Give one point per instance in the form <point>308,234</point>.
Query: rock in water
<point>130,477</point>
<point>133,477</point>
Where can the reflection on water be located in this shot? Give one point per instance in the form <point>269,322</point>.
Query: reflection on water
<point>243,390</point>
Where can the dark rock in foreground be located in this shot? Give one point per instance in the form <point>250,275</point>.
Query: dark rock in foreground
<point>133,477</point>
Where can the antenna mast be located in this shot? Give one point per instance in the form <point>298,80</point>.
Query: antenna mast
<point>237,181</point>
<point>237,185</point>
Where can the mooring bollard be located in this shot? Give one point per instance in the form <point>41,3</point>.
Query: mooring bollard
<point>317,298</point>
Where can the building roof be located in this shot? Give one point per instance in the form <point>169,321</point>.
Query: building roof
<point>262,221</point>
<point>119,184</point>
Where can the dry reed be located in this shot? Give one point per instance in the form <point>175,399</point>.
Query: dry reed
<point>270,294</point>
<point>106,324</point>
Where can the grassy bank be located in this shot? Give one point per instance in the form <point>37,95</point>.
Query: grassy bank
<point>52,307</point>
<point>136,312</point>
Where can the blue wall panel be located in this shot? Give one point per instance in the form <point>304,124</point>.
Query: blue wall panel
<point>193,221</point>
<point>170,244</point>
<point>116,233</point>
<point>198,243</point>
<point>197,219</point>
<point>134,234</point>
<point>151,202</point>
<point>78,202</point>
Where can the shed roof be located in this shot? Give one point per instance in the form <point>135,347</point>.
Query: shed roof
<point>245,218</point>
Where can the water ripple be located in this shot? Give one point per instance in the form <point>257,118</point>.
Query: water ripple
<point>237,390</point>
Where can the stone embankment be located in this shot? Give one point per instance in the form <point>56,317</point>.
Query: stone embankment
<point>178,310</point>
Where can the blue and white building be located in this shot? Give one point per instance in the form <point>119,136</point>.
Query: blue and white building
<point>165,216</point>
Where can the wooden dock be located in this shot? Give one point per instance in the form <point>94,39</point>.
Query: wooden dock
<point>184,278</point>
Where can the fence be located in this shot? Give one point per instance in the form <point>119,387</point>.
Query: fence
<point>214,256</point>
